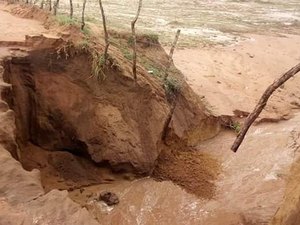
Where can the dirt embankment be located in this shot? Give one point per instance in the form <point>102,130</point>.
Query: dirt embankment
<point>72,126</point>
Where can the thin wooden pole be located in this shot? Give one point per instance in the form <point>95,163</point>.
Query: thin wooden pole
<point>71,9</point>
<point>171,54</point>
<point>134,40</point>
<point>105,33</point>
<point>82,15</point>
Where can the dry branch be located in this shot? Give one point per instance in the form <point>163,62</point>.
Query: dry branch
<point>55,7</point>
<point>261,104</point>
<point>171,54</point>
<point>134,40</point>
<point>42,4</point>
<point>105,33</point>
<point>50,5</point>
<point>82,15</point>
<point>71,9</point>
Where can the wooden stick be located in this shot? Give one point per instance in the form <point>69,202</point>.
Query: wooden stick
<point>171,54</point>
<point>105,33</point>
<point>71,9</point>
<point>55,7</point>
<point>82,15</point>
<point>134,40</point>
<point>261,104</point>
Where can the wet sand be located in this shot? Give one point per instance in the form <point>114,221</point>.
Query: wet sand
<point>234,77</point>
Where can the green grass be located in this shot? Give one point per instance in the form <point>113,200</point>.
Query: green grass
<point>86,30</point>
<point>84,45</point>
<point>152,38</point>
<point>171,85</point>
<point>236,126</point>
<point>127,54</point>
<point>98,66</point>
<point>65,20</point>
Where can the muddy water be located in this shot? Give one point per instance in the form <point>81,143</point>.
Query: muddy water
<point>253,180</point>
<point>144,202</point>
<point>200,20</point>
<point>249,190</point>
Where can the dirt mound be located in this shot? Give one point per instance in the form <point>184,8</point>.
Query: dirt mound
<point>29,12</point>
<point>192,170</point>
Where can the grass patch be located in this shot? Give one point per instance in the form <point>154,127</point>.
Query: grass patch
<point>98,66</point>
<point>236,126</point>
<point>84,45</point>
<point>152,38</point>
<point>90,19</point>
<point>127,54</point>
<point>130,41</point>
<point>171,85</point>
<point>86,30</point>
<point>65,20</point>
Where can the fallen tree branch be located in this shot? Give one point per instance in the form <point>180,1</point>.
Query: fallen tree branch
<point>261,104</point>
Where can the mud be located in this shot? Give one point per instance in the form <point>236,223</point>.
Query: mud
<point>195,171</point>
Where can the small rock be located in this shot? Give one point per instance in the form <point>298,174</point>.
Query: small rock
<point>81,190</point>
<point>250,55</point>
<point>109,198</point>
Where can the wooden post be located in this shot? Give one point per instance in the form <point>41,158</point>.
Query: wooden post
<point>55,7</point>
<point>171,54</point>
<point>105,33</point>
<point>71,9</point>
<point>82,15</point>
<point>50,5</point>
<point>261,104</point>
<point>42,4</point>
<point>134,40</point>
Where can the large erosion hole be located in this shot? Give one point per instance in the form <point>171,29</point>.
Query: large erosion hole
<point>47,139</point>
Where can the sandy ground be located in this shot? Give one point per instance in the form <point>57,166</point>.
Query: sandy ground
<point>234,77</point>
<point>21,27</point>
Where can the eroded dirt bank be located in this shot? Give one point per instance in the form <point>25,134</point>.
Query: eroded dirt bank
<point>68,126</point>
